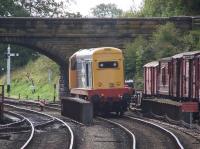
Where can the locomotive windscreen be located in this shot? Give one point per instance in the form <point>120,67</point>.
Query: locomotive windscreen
<point>109,64</point>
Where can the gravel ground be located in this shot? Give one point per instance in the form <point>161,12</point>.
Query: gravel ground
<point>102,135</point>
<point>13,140</point>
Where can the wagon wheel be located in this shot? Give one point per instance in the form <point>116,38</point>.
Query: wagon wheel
<point>126,99</point>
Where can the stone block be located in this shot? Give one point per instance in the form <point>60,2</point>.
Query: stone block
<point>77,109</point>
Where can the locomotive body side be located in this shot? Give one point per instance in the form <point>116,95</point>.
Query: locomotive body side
<point>100,79</point>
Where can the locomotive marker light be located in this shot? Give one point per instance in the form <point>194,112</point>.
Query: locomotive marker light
<point>9,55</point>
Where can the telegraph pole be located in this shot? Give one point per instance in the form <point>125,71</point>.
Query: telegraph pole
<point>8,67</point>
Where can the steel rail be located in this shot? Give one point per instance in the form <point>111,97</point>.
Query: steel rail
<point>124,128</point>
<point>160,127</point>
<point>68,127</point>
<point>48,107</point>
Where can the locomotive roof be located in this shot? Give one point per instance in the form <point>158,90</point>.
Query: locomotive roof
<point>95,50</point>
<point>151,64</point>
<point>185,54</point>
<point>87,53</point>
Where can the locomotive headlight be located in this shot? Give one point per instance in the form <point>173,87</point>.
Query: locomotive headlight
<point>114,64</point>
<point>101,65</point>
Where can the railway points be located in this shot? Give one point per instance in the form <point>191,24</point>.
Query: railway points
<point>49,124</point>
<point>23,130</point>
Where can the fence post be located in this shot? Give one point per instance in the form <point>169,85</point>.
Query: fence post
<point>54,93</point>
<point>1,102</point>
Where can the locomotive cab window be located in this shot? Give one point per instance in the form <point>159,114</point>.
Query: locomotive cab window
<point>108,64</point>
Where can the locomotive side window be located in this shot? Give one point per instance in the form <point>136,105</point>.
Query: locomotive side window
<point>112,64</point>
<point>87,75</point>
<point>73,63</point>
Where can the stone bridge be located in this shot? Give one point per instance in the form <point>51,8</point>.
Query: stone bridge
<point>58,38</point>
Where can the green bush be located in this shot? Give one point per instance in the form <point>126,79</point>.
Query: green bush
<point>165,41</point>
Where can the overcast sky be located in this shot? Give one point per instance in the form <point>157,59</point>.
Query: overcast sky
<point>84,6</point>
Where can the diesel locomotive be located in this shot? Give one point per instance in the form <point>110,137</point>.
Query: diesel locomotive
<point>97,75</point>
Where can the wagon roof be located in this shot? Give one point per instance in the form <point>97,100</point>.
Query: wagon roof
<point>166,59</point>
<point>151,64</point>
<point>186,54</point>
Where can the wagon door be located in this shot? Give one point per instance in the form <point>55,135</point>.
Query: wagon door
<point>194,79</point>
<point>186,78</point>
<point>174,62</point>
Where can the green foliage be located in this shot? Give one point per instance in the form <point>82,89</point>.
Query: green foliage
<point>165,42</point>
<point>12,8</point>
<point>106,10</point>
<point>35,72</point>
<point>39,8</point>
<point>161,8</point>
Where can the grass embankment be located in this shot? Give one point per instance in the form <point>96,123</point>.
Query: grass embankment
<point>35,73</point>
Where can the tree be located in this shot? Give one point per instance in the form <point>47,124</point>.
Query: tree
<point>39,8</point>
<point>170,8</point>
<point>166,41</point>
<point>44,8</point>
<point>106,10</point>
<point>12,8</point>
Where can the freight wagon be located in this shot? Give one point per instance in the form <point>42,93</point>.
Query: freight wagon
<point>176,77</point>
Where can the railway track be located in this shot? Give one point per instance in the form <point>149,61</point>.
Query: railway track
<point>189,137</point>
<point>131,134</point>
<point>101,134</point>
<point>49,131</point>
<point>147,135</point>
